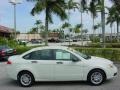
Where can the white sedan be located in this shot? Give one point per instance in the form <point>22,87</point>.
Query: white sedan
<point>56,63</point>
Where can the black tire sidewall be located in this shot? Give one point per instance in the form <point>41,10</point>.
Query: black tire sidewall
<point>19,77</point>
<point>89,77</point>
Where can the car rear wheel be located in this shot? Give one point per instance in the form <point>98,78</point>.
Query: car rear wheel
<point>25,79</point>
<point>96,77</point>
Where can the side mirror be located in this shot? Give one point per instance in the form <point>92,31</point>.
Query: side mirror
<point>75,60</point>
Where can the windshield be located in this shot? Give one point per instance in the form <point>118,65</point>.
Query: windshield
<point>82,55</point>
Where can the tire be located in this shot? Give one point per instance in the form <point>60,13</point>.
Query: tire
<point>96,77</point>
<point>25,79</point>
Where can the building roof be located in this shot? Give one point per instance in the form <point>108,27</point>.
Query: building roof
<point>4,29</point>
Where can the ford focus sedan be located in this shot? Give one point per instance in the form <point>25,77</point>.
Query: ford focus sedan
<point>57,63</point>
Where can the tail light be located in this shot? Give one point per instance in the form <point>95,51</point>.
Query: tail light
<point>2,53</point>
<point>14,51</point>
<point>9,62</point>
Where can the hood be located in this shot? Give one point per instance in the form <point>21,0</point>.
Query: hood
<point>100,60</point>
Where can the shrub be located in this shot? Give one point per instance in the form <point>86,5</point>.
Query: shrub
<point>94,39</point>
<point>9,42</point>
<point>108,45</point>
<point>109,53</point>
<point>22,49</point>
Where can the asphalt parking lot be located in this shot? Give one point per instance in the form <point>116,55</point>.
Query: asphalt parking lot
<point>8,84</point>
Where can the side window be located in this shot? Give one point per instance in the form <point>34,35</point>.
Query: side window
<point>40,55</point>
<point>46,55</point>
<point>62,55</point>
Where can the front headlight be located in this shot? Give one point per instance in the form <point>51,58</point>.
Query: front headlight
<point>111,65</point>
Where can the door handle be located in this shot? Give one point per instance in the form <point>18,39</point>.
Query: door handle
<point>59,62</point>
<point>34,62</point>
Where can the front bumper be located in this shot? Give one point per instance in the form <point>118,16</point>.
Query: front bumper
<point>112,72</point>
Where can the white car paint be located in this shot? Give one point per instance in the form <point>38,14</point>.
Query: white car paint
<point>50,71</point>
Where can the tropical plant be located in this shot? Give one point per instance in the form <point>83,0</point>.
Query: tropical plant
<point>33,30</point>
<point>110,20</point>
<point>50,7</point>
<point>93,10</point>
<point>114,17</point>
<point>67,25</point>
<point>38,24</point>
<point>82,6</point>
<point>77,29</point>
<point>101,8</point>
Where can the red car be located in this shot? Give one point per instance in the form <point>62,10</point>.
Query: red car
<point>6,51</point>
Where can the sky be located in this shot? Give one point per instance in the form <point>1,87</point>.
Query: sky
<point>25,21</point>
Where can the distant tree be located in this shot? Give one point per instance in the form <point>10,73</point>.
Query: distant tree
<point>38,23</point>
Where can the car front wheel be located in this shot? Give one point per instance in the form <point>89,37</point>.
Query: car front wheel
<point>96,77</point>
<point>25,79</point>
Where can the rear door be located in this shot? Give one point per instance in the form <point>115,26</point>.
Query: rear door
<point>41,62</point>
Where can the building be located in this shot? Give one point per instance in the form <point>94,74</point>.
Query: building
<point>5,31</point>
<point>29,37</point>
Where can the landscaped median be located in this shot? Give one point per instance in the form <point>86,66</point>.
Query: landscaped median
<point>109,53</point>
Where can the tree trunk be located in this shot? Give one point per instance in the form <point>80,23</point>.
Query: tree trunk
<point>117,31</point>
<point>46,27</point>
<point>103,23</point>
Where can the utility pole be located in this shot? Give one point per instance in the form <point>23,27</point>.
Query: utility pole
<point>14,3</point>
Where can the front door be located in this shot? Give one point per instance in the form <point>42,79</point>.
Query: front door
<point>65,68</point>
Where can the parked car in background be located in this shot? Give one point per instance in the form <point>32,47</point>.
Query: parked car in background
<point>36,41</point>
<point>6,51</point>
<point>23,42</point>
<point>52,40</point>
<point>68,40</point>
<point>56,63</point>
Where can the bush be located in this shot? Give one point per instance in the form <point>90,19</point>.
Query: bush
<point>9,42</point>
<point>109,53</point>
<point>95,39</point>
<point>22,49</point>
<point>108,45</point>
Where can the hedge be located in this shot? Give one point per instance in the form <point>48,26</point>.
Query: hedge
<point>108,45</point>
<point>109,53</point>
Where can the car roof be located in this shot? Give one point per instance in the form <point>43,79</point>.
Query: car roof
<point>51,47</point>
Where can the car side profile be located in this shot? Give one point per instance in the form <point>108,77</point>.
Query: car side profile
<point>57,63</point>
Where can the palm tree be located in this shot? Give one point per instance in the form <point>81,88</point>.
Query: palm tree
<point>93,11</point>
<point>117,3</point>
<point>50,7</point>
<point>114,17</point>
<point>82,6</point>
<point>67,25</point>
<point>110,20</point>
<point>71,5</point>
<point>77,28</point>
<point>38,23</point>
<point>77,31</point>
